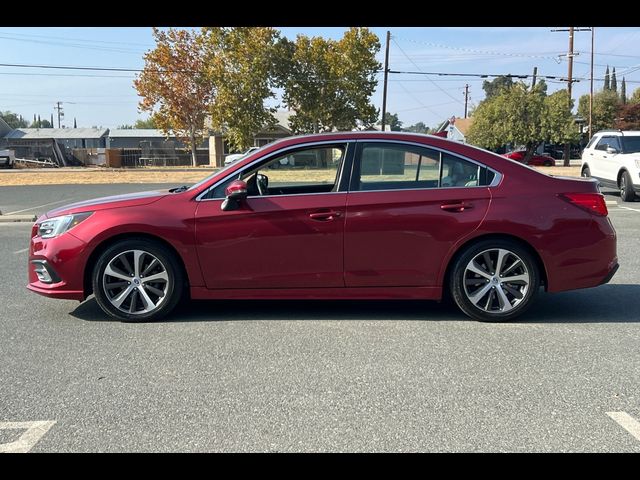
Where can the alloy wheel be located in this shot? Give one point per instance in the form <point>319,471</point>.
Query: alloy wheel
<point>136,282</point>
<point>496,280</point>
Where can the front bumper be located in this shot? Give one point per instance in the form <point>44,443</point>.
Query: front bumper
<point>64,257</point>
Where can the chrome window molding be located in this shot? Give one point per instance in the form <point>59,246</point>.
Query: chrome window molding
<point>494,183</point>
<point>266,158</point>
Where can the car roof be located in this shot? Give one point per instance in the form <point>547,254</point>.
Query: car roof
<point>622,133</point>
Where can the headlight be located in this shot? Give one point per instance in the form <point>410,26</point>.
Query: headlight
<point>52,227</point>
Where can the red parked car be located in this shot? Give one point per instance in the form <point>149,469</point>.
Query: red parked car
<point>536,160</point>
<point>366,215</point>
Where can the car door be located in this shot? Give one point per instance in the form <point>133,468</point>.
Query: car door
<point>407,206</point>
<point>289,237</point>
<point>610,163</point>
<point>600,161</point>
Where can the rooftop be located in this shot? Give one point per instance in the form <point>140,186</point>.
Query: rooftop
<point>62,133</point>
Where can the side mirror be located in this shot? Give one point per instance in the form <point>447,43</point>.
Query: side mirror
<point>236,192</point>
<point>612,150</point>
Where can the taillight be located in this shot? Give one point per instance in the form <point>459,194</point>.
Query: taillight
<point>591,202</point>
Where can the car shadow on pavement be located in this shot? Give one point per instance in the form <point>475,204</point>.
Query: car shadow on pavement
<point>604,304</point>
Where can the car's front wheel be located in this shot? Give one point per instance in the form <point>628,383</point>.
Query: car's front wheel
<point>494,280</point>
<point>137,280</point>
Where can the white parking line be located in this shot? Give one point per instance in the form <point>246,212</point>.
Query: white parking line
<point>35,431</point>
<point>21,251</point>
<point>38,206</point>
<point>627,422</point>
<point>627,208</point>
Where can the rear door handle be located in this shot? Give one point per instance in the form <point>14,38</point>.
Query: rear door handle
<point>456,207</point>
<point>324,216</point>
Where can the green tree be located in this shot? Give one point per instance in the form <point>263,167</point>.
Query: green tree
<point>13,119</point>
<point>605,107</point>
<point>494,87</point>
<point>623,91</point>
<point>558,125</point>
<point>391,119</point>
<point>242,66</point>
<point>614,82</point>
<point>176,85</point>
<point>606,80</point>
<point>419,127</point>
<point>635,96</point>
<point>328,83</point>
<point>522,116</point>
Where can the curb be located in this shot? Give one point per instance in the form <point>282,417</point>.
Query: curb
<point>17,218</point>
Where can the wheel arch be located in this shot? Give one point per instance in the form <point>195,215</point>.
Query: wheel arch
<point>108,242</point>
<point>621,172</point>
<point>493,236</point>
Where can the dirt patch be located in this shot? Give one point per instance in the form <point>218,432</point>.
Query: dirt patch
<point>75,176</point>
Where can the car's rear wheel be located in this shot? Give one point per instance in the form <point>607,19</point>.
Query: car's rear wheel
<point>137,280</point>
<point>494,280</point>
<point>626,188</point>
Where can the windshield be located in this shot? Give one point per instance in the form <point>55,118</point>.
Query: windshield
<point>224,169</point>
<point>631,144</point>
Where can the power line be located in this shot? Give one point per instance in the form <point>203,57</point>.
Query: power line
<point>437,86</point>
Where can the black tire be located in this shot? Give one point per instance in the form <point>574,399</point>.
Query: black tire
<point>153,260</point>
<point>586,171</point>
<point>502,300</point>
<point>547,163</point>
<point>626,188</point>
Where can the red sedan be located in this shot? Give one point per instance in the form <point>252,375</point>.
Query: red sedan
<point>358,215</point>
<point>536,160</point>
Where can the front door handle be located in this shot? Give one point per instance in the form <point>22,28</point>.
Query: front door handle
<point>324,216</point>
<point>456,206</point>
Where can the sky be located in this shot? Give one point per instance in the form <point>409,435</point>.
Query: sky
<point>108,99</point>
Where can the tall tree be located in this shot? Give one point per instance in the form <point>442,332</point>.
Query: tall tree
<point>175,84</point>
<point>522,117</point>
<point>241,65</point>
<point>13,120</point>
<point>623,91</point>
<point>328,83</point>
<point>145,124</point>
<point>605,107</point>
<point>392,120</point>
<point>606,80</point>
<point>419,127</point>
<point>494,87</point>
<point>35,123</point>
<point>614,82</point>
<point>52,120</point>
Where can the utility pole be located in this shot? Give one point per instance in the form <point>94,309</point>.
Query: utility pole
<point>593,32</point>
<point>466,99</point>
<point>386,74</point>
<point>570,80</point>
<point>535,76</point>
<point>60,112</point>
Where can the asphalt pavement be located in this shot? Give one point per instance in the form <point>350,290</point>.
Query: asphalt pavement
<point>264,376</point>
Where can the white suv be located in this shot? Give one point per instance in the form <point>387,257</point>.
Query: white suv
<point>613,158</point>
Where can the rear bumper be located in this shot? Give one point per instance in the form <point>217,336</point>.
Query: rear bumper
<point>610,274</point>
